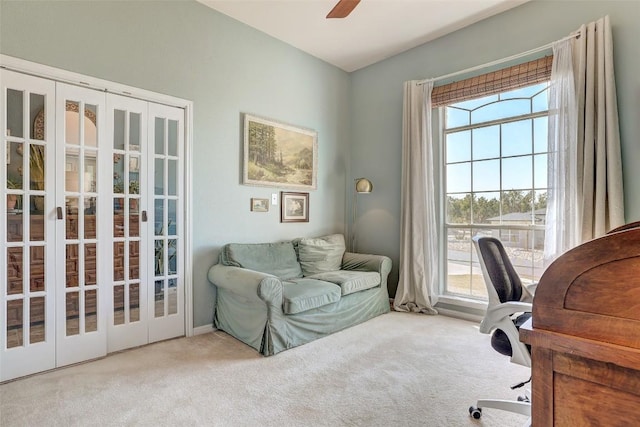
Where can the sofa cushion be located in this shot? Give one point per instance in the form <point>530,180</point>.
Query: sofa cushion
<point>305,294</point>
<point>321,254</point>
<point>350,281</point>
<point>278,259</point>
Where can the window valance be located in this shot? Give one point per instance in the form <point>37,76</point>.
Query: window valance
<point>514,77</point>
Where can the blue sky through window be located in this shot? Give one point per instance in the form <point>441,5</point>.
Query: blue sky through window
<point>495,182</point>
<point>498,156</point>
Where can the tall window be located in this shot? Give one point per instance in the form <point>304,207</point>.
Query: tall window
<point>495,183</point>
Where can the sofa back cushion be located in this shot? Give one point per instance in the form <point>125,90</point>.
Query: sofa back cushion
<point>278,259</point>
<point>320,254</point>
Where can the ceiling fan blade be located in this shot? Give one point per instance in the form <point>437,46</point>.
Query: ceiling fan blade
<point>343,8</point>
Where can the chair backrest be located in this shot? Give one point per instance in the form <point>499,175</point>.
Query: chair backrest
<point>504,283</point>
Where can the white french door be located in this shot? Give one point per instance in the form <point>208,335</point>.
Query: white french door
<point>82,232</point>
<point>128,313</point>
<point>27,339</point>
<point>93,217</point>
<point>147,293</point>
<point>166,176</point>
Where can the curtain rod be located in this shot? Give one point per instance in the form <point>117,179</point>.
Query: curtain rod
<point>499,61</point>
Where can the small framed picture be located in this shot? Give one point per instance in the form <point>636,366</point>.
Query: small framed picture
<point>259,205</point>
<point>294,207</point>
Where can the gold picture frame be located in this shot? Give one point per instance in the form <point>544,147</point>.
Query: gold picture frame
<point>259,205</point>
<point>279,155</point>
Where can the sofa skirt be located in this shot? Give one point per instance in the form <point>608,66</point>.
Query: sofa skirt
<point>270,331</point>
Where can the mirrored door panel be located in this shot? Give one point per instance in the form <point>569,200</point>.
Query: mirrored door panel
<point>27,336</point>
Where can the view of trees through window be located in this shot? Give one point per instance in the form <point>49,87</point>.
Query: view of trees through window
<point>495,183</point>
<point>484,208</point>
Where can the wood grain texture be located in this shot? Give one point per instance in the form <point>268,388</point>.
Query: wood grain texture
<point>613,289</point>
<point>585,335</point>
<point>584,347</point>
<point>585,403</point>
<point>606,374</point>
<point>542,386</point>
<point>343,8</point>
<point>593,255</point>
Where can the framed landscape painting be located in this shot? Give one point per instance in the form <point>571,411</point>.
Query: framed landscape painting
<point>279,155</point>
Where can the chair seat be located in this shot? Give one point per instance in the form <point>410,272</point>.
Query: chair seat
<point>500,341</point>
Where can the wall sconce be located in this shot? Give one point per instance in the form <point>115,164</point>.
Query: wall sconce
<point>362,186</point>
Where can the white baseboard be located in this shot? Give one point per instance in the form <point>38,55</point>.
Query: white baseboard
<point>205,329</point>
<point>459,315</point>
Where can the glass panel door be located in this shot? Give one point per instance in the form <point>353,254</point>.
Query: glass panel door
<point>92,222</point>
<point>27,336</point>
<point>127,318</point>
<point>80,209</point>
<point>166,134</point>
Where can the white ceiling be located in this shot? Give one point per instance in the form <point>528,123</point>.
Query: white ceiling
<point>375,30</point>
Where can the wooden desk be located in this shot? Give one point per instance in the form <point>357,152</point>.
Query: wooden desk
<point>585,335</point>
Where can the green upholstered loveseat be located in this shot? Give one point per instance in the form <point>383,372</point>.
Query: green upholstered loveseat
<point>275,296</point>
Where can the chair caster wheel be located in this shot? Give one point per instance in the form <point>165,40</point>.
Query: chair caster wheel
<point>475,412</point>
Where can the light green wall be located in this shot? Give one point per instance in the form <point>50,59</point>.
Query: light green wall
<point>376,96</point>
<point>185,49</point>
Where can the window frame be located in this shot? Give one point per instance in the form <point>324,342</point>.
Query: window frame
<point>471,300</point>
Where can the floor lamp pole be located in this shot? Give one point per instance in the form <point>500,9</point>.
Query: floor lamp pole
<point>354,214</point>
<point>362,185</point>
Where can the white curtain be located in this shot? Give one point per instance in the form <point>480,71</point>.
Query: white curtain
<point>418,223</point>
<point>599,158</point>
<point>586,195</point>
<point>563,198</point>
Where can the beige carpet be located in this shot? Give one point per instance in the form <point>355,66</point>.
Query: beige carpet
<point>395,370</point>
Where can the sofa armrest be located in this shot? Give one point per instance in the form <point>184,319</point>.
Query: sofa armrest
<point>366,262</point>
<point>247,283</point>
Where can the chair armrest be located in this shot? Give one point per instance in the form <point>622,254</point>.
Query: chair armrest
<point>366,262</point>
<point>247,283</point>
<point>499,317</point>
<point>532,288</point>
<point>498,312</point>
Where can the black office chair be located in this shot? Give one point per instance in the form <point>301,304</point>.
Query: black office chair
<point>509,307</point>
